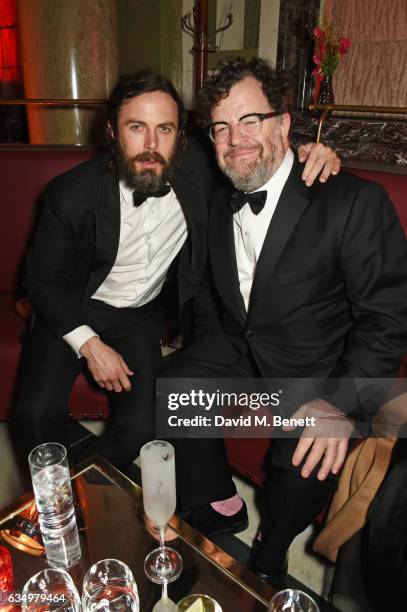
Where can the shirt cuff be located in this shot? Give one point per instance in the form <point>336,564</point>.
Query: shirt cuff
<point>77,337</point>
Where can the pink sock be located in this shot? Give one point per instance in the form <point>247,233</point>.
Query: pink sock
<point>228,507</point>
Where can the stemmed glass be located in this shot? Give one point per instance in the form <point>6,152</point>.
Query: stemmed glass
<point>165,604</point>
<point>163,564</point>
<point>292,600</point>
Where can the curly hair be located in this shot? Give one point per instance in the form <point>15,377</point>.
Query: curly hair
<point>275,85</point>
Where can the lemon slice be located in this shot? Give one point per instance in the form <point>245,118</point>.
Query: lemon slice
<point>197,606</point>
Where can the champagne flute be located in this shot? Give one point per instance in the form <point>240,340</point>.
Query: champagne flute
<point>292,600</point>
<point>165,604</point>
<point>163,564</point>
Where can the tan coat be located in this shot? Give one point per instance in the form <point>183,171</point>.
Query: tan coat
<point>361,477</point>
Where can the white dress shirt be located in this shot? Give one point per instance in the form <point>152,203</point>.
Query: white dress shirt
<point>250,230</point>
<point>151,235</point>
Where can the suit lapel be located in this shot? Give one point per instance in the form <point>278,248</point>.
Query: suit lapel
<point>292,203</point>
<point>107,232</point>
<point>195,212</point>
<point>224,253</point>
<point>192,257</point>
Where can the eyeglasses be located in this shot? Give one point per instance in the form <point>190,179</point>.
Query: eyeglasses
<point>248,125</point>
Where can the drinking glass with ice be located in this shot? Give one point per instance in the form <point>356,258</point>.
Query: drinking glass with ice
<point>53,496</point>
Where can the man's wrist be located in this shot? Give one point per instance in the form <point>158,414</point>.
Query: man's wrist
<point>88,347</point>
<point>78,337</point>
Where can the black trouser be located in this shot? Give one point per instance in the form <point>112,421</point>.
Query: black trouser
<point>291,503</point>
<point>49,368</point>
<point>204,475</point>
<point>203,471</point>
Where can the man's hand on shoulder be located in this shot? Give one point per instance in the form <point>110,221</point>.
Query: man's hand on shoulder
<point>320,159</point>
<point>107,367</point>
<point>326,440</point>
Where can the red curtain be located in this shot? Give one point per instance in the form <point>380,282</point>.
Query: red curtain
<point>10,74</point>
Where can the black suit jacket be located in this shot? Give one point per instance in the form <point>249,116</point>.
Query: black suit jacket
<point>76,242</point>
<point>329,294</point>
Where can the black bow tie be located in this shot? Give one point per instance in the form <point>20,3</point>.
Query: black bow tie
<point>141,196</point>
<point>256,200</point>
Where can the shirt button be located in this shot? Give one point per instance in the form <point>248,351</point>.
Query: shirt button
<point>249,333</point>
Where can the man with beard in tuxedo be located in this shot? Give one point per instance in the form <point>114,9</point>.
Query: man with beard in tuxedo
<point>109,233</point>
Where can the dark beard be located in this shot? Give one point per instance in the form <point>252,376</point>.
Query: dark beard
<point>146,181</point>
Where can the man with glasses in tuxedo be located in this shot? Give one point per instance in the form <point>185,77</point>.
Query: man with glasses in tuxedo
<point>311,283</point>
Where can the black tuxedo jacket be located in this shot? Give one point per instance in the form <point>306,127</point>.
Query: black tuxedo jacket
<point>76,242</point>
<point>329,294</point>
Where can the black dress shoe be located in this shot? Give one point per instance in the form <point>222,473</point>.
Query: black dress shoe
<point>278,578</point>
<point>211,523</point>
<point>278,581</point>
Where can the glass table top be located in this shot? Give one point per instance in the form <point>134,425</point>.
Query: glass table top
<point>112,525</point>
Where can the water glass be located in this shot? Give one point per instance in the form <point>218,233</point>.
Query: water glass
<point>110,585</point>
<point>292,600</point>
<point>53,496</point>
<point>50,590</point>
<point>163,564</point>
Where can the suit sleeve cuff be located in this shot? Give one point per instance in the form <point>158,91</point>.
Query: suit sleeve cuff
<point>77,337</point>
